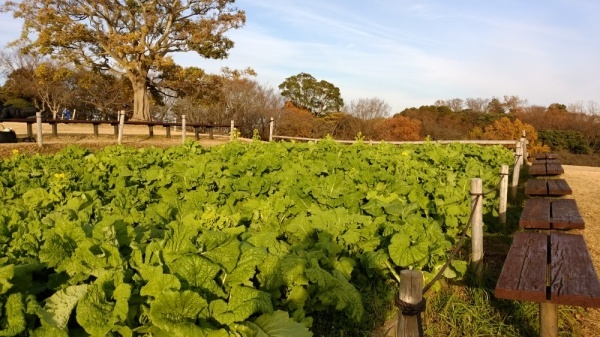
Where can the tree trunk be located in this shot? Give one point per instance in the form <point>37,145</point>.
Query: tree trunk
<point>141,103</point>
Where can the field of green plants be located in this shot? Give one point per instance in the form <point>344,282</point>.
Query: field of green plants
<point>257,239</point>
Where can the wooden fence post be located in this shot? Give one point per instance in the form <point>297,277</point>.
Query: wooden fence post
<point>411,291</point>
<point>183,129</point>
<point>503,193</point>
<point>121,125</point>
<point>231,133</point>
<point>38,119</point>
<point>271,127</point>
<point>517,169</point>
<point>477,227</point>
<point>524,147</point>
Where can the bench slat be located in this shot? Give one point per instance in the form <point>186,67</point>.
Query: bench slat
<point>536,187</point>
<point>536,214</point>
<point>554,169</point>
<point>523,275</point>
<point>565,215</point>
<point>558,187</point>
<point>551,214</point>
<point>547,187</point>
<point>546,155</point>
<point>538,169</point>
<point>573,278</point>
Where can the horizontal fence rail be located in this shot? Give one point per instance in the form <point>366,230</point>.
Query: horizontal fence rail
<point>118,126</point>
<point>475,141</point>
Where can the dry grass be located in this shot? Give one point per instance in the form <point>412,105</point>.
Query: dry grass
<point>585,183</point>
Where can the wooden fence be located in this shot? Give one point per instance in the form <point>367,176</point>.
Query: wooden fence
<point>119,126</point>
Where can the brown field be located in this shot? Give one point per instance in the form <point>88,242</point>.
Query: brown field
<point>584,180</point>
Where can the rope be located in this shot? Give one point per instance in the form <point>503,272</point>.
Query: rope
<point>409,309</point>
<point>459,243</point>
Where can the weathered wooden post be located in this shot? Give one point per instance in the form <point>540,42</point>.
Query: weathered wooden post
<point>503,193</point>
<point>271,127</point>
<point>548,320</point>
<point>524,147</point>
<point>38,119</point>
<point>477,227</point>
<point>121,125</point>
<point>29,131</point>
<point>411,292</point>
<point>183,129</point>
<point>517,169</point>
<point>232,132</point>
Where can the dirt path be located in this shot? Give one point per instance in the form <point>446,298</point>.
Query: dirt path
<point>585,183</point>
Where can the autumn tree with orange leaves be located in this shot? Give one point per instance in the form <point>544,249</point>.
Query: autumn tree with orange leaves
<point>505,128</point>
<point>131,38</point>
<point>399,128</point>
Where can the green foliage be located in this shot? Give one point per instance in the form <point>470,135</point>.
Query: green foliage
<point>573,141</point>
<point>305,92</point>
<point>18,102</point>
<point>239,239</point>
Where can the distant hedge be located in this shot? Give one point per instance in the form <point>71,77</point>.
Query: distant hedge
<point>572,141</point>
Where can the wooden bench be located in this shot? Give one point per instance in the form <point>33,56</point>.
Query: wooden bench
<point>551,214</point>
<point>545,161</point>
<point>547,187</point>
<point>546,168</point>
<point>555,268</point>
<point>546,155</point>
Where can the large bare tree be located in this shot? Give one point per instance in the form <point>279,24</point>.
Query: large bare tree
<point>130,37</point>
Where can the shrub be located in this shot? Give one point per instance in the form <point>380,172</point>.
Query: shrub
<point>573,141</point>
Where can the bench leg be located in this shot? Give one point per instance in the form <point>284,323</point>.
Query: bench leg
<point>116,126</point>
<point>210,133</point>
<point>168,132</point>
<point>54,130</point>
<point>548,320</point>
<point>197,132</point>
<point>29,130</point>
<point>96,130</point>
<point>151,130</point>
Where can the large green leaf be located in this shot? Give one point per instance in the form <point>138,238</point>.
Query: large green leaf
<point>243,303</point>
<point>104,305</point>
<point>6,274</point>
<point>177,312</point>
<point>278,324</point>
<point>59,306</point>
<point>406,253</point>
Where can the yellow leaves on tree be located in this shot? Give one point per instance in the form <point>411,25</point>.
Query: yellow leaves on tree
<point>505,129</point>
<point>399,128</point>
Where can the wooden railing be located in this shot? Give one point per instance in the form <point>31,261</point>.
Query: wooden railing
<point>198,127</point>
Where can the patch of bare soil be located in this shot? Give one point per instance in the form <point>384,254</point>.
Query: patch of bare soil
<point>585,183</point>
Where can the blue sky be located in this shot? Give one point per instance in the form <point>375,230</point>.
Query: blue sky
<point>411,53</point>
